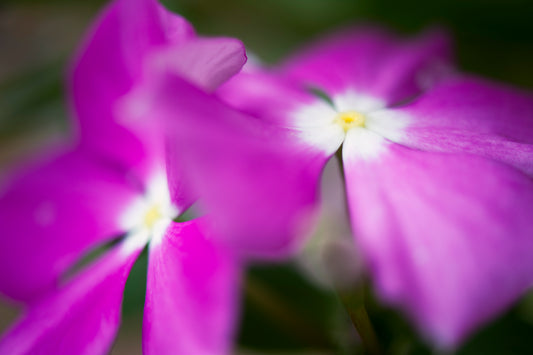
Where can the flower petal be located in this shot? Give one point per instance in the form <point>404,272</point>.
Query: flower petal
<point>109,64</point>
<point>446,237</point>
<point>372,62</point>
<point>51,214</point>
<point>278,101</point>
<point>80,318</point>
<point>258,190</point>
<point>266,95</point>
<point>192,294</point>
<point>467,115</point>
<point>206,62</point>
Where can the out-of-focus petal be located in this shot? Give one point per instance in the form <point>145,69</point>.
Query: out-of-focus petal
<point>259,192</point>
<point>447,237</point>
<point>192,294</point>
<point>109,64</point>
<point>261,94</point>
<point>467,115</point>
<point>275,100</point>
<point>206,62</point>
<point>373,62</point>
<point>80,318</point>
<point>52,213</point>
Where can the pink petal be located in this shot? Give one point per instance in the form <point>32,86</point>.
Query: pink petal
<point>206,62</point>
<point>80,318</point>
<point>258,191</point>
<point>472,116</point>
<point>372,62</point>
<point>446,237</point>
<point>192,294</point>
<point>271,97</point>
<point>109,64</point>
<point>51,214</point>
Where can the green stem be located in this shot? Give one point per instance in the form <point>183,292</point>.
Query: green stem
<point>354,300</point>
<point>338,155</point>
<point>354,304</point>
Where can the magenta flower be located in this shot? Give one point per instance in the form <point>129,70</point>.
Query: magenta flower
<point>114,183</point>
<point>437,169</point>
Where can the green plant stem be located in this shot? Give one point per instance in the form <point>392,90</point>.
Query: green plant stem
<point>353,301</point>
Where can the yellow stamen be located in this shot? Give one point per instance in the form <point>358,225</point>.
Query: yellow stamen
<point>350,119</point>
<point>152,215</point>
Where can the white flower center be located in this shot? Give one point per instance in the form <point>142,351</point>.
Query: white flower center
<point>352,117</point>
<point>151,214</point>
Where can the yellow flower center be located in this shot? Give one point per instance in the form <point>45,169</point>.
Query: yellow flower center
<point>152,216</point>
<point>350,119</point>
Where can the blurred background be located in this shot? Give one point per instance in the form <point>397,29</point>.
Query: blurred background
<point>285,310</point>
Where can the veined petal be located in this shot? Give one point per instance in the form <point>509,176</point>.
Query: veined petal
<point>54,212</point>
<point>109,64</point>
<point>467,115</point>
<point>80,318</point>
<point>446,237</point>
<point>372,62</point>
<point>258,189</point>
<point>192,294</point>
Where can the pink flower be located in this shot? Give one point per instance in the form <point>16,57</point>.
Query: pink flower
<point>113,186</point>
<point>438,169</point>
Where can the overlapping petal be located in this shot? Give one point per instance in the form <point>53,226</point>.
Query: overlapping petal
<point>258,192</point>
<point>207,62</point>
<point>468,115</point>
<point>271,97</point>
<point>107,67</point>
<point>80,318</point>
<point>448,237</point>
<point>192,294</point>
<point>278,101</point>
<point>373,62</point>
<point>54,212</point>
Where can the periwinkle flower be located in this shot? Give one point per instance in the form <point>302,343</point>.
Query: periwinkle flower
<point>438,168</point>
<point>112,185</point>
